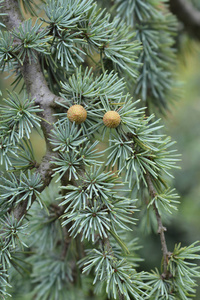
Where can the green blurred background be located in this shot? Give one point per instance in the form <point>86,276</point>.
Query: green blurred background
<point>183,125</point>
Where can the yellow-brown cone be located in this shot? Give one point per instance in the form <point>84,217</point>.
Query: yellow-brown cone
<point>111,119</point>
<point>77,113</point>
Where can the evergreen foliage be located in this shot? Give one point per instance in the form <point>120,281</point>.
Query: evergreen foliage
<point>80,201</point>
<point>154,28</point>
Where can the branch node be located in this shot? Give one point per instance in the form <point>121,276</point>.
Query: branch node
<point>161,229</point>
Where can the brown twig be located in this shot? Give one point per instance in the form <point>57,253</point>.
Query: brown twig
<point>188,15</point>
<point>161,228</point>
<point>106,244</point>
<point>121,296</point>
<point>66,243</point>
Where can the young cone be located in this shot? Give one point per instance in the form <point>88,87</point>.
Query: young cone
<point>111,119</point>
<point>77,113</point>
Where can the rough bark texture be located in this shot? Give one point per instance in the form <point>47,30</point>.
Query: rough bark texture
<point>38,89</point>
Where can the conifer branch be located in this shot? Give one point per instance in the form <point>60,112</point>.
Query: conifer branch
<point>187,14</point>
<point>161,228</point>
<point>38,89</point>
<point>88,198</point>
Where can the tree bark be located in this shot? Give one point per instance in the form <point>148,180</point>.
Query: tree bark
<point>37,89</point>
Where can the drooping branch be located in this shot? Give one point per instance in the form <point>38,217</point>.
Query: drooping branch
<point>38,89</point>
<point>188,15</point>
<point>161,228</point>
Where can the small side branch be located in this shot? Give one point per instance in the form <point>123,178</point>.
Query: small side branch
<point>66,243</point>
<point>121,296</point>
<point>45,172</point>
<point>188,15</point>
<point>106,244</point>
<point>161,228</point>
